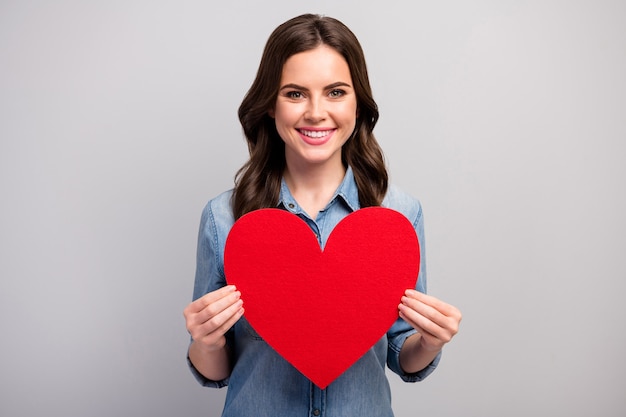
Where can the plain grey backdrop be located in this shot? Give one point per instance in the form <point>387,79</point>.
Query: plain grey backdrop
<point>507,119</point>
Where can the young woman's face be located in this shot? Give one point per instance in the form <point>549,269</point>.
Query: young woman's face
<point>316,107</point>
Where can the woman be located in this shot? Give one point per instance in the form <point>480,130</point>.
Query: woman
<point>308,119</point>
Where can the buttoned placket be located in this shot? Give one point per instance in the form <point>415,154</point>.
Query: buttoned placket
<point>318,402</point>
<point>313,224</point>
<point>318,396</point>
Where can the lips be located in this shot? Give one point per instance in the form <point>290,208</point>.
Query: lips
<point>316,137</point>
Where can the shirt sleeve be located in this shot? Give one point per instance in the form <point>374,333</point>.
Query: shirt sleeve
<point>401,330</point>
<point>209,277</point>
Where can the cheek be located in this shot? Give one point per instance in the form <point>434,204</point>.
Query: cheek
<point>350,114</point>
<point>285,115</point>
<point>351,110</point>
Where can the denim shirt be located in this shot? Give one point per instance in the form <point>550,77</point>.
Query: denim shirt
<point>262,383</point>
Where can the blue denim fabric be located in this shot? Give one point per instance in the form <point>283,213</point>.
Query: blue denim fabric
<point>262,383</point>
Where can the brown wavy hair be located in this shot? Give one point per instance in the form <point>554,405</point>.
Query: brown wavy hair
<point>257,183</point>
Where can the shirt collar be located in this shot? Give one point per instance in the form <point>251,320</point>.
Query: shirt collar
<point>347,191</point>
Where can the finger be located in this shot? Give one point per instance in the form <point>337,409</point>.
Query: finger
<point>433,336</point>
<point>444,308</point>
<point>418,321</point>
<point>230,321</point>
<point>211,297</point>
<point>216,307</point>
<point>421,323</point>
<point>430,338</point>
<point>425,314</point>
<point>218,324</point>
<point>201,303</point>
<point>424,310</point>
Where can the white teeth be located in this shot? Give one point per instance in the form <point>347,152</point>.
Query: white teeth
<point>315,134</point>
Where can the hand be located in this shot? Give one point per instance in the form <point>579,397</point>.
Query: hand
<point>436,321</point>
<point>210,316</point>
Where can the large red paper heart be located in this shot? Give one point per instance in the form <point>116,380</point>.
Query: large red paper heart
<point>322,310</point>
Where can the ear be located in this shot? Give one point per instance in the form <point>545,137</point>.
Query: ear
<point>271,113</point>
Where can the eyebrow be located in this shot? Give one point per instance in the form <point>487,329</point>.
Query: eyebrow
<point>328,87</point>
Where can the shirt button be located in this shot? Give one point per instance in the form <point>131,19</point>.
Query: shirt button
<point>316,412</point>
<point>291,205</point>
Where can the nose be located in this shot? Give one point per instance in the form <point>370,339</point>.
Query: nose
<point>316,110</point>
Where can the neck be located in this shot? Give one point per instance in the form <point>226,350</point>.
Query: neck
<point>313,186</point>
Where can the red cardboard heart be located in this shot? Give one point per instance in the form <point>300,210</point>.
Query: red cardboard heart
<point>322,310</point>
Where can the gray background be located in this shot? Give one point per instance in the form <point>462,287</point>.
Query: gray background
<point>118,122</point>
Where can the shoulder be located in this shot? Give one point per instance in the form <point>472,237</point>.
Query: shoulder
<point>399,200</point>
<point>218,213</point>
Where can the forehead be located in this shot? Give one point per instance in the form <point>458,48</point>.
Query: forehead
<point>320,64</point>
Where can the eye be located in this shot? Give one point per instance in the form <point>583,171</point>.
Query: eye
<point>337,93</point>
<point>294,95</point>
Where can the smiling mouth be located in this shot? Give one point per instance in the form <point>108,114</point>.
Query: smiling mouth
<point>315,134</point>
